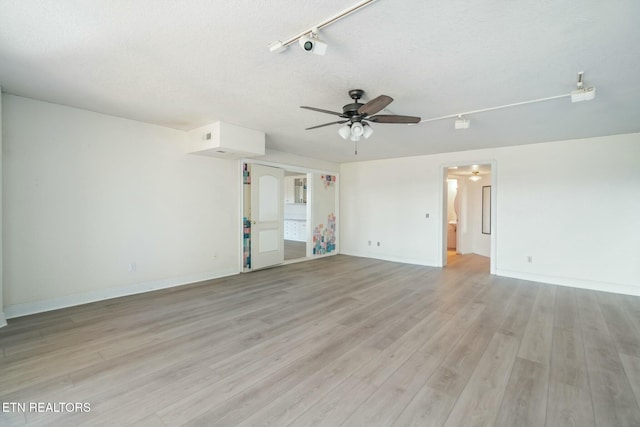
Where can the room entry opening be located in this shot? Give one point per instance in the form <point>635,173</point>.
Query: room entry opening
<point>296,215</point>
<point>288,215</point>
<point>468,226</point>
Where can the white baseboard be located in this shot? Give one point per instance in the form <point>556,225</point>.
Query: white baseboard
<point>3,320</point>
<point>615,288</point>
<point>385,257</point>
<point>316,256</point>
<point>25,309</point>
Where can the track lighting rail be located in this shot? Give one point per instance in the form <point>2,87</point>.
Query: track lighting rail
<point>280,46</point>
<point>580,94</point>
<point>482,110</point>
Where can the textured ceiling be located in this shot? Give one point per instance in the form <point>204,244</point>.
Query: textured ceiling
<point>187,64</point>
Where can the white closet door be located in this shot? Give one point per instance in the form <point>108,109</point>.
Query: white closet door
<point>267,211</point>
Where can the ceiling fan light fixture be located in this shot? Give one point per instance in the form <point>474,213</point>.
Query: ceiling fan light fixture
<point>344,131</point>
<point>368,131</point>
<point>357,129</point>
<point>476,176</point>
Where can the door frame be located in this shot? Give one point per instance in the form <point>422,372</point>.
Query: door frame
<point>310,201</point>
<point>442,261</point>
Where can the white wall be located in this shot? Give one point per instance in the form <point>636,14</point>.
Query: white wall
<point>87,195</point>
<point>386,201</point>
<point>304,163</point>
<point>572,205</point>
<point>470,225</point>
<point>324,226</point>
<point>452,191</point>
<point>481,242</point>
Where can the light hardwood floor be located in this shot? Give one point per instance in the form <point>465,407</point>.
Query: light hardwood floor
<point>294,250</point>
<point>339,341</point>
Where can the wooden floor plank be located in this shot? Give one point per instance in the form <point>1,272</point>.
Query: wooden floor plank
<point>480,399</point>
<point>536,342</point>
<point>525,399</point>
<point>569,401</point>
<point>622,327</point>
<point>428,408</point>
<point>631,366</point>
<point>462,358</point>
<point>569,406</point>
<point>614,403</point>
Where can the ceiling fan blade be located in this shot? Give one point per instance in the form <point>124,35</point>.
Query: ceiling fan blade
<point>328,124</point>
<point>375,105</point>
<point>322,111</point>
<point>391,118</point>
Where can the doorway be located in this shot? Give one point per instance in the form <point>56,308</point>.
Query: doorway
<point>276,209</point>
<point>296,215</point>
<point>453,213</point>
<point>469,220</point>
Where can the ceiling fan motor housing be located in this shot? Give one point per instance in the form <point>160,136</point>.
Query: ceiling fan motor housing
<point>351,110</point>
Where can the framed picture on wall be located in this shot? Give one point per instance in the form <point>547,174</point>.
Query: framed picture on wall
<point>486,209</point>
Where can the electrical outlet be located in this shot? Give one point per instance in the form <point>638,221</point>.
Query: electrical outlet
<point>529,259</point>
<point>378,243</point>
<point>426,216</point>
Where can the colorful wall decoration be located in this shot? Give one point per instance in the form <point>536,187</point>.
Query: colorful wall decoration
<point>246,222</point>
<point>246,174</point>
<point>324,238</point>
<point>328,180</point>
<point>246,239</point>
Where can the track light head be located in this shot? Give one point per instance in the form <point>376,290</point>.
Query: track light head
<point>311,43</point>
<point>461,123</point>
<point>582,93</point>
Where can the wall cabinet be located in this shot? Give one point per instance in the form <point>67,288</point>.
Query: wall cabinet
<point>295,189</point>
<point>295,230</point>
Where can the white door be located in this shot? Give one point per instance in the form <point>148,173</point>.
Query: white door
<point>267,216</point>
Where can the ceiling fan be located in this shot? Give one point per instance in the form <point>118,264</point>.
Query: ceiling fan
<point>358,116</point>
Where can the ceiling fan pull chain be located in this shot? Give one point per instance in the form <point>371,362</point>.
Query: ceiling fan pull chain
<point>356,147</point>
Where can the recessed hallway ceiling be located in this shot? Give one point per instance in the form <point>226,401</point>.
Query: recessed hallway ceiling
<point>187,64</point>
